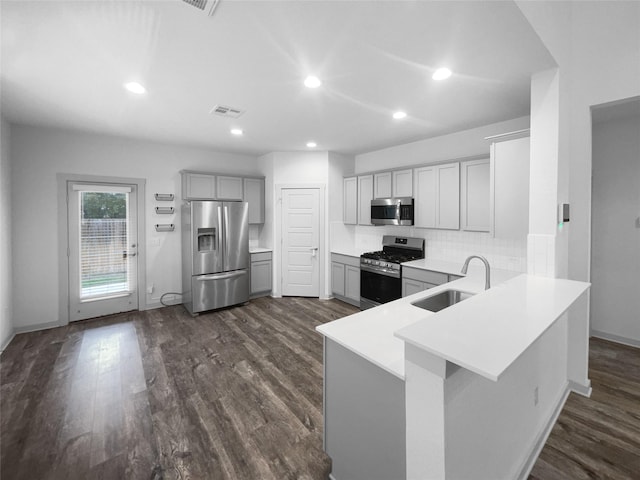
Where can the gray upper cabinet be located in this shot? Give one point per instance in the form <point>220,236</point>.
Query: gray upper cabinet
<point>475,196</point>
<point>437,196</point>
<point>365,195</point>
<point>403,183</point>
<point>350,201</point>
<point>510,188</point>
<point>229,188</point>
<point>209,186</point>
<point>448,196</point>
<point>254,195</point>
<point>198,186</point>
<point>382,185</point>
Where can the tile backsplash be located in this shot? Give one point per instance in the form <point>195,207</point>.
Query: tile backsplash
<point>448,245</point>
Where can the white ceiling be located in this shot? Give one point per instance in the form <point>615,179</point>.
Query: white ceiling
<point>64,64</point>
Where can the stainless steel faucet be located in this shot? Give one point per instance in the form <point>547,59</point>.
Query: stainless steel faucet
<point>487,283</point>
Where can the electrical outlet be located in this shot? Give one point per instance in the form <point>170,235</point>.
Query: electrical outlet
<point>535,396</point>
<point>150,288</point>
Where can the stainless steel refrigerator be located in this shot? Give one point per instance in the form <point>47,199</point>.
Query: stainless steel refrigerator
<point>215,254</point>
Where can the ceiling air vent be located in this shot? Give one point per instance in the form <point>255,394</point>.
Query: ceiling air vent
<point>225,111</point>
<point>207,6</point>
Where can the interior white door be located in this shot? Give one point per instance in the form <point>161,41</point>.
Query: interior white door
<point>102,253</point>
<point>300,242</point>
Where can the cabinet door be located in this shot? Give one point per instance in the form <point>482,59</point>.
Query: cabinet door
<point>198,186</point>
<point>352,282</point>
<point>425,197</point>
<point>510,188</point>
<point>403,183</point>
<point>337,278</point>
<point>350,201</point>
<point>448,200</point>
<point>260,276</point>
<point>229,188</point>
<point>475,195</point>
<point>410,286</point>
<point>382,185</point>
<point>254,196</point>
<point>365,195</point>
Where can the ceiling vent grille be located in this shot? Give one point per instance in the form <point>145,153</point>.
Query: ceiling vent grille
<point>225,111</point>
<point>207,6</point>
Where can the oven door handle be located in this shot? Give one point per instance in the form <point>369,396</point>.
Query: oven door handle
<point>387,273</point>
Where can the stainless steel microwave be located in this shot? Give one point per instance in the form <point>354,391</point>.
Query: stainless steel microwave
<point>392,211</point>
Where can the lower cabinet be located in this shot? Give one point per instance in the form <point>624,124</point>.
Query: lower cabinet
<point>345,278</point>
<point>416,280</point>
<point>261,265</point>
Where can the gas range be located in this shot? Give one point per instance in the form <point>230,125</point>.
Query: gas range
<point>387,261</point>
<point>395,250</point>
<point>380,271</point>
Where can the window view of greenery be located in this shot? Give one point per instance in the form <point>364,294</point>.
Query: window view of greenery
<point>103,243</point>
<point>104,205</point>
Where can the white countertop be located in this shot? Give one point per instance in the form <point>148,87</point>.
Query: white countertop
<point>259,250</point>
<point>348,252</point>
<point>485,333</point>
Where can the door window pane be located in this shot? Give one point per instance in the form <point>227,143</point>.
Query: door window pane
<point>104,240</point>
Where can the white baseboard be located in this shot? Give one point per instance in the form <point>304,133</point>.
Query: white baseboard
<point>7,341</point>
<point>538,445</point>
<point>616,338</point>
<point>37,327</point>
<point>581,389</point>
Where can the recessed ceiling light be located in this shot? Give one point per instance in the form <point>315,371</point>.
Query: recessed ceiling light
<point>441,74</point>
<point>312,144</point>
<point>312,82</point>
<point>237,131</point>
<point>135,87</point>
<point>399,115</point>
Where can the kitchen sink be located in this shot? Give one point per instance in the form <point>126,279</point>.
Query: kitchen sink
<point>442,300</point>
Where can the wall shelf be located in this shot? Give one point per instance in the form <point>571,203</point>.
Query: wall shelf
<point>164,197</point>
<point>164,210</point>
<point>165,227</point>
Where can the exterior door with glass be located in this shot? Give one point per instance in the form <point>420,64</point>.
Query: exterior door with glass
<point>102,251</point>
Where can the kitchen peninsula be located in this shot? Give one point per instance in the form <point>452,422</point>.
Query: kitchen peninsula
<point>468,392</point>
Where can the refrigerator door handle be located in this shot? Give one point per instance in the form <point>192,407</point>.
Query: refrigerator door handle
<point>226,234</point>
<point>221,276</point>
<point>221,232</point>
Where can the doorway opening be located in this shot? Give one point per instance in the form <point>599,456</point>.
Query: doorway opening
<point>615,222</point>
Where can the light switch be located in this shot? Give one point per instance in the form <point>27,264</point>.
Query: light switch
<point>563,213</point>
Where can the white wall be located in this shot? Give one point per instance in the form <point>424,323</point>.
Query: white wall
<point>463,426</point>
<point>543,183</point>
<point>6,293</point>
<point>615,264</point>
<point>38,154</point>
<point>449,245</point>
<point>466,143</point>
<point>492,427</point>
<point>596,46</point>
<point>299,169</point>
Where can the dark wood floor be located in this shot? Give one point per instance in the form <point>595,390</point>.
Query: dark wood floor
<point>598,437</point>
<point>234,394</point>
<point>237,394</point>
